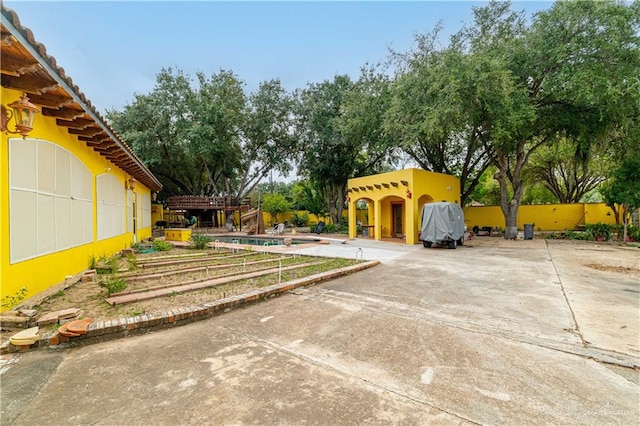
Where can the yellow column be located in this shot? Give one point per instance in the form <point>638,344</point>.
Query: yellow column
<point>411,220</point>
<point>377,208</point>
<point>352,218</point>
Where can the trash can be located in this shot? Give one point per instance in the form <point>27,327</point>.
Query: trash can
<point>528,231</point>
<point>365,231</point>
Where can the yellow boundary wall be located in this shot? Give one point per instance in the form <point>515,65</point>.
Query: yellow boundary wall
<point>546,217</point>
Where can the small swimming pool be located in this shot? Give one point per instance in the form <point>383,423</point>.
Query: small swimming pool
<point>262,241</point>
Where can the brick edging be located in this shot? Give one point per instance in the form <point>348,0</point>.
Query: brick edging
<point>99,331</point>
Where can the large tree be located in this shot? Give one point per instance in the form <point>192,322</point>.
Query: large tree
<point>623,188</point>
<point>574,72</point>
<point>566,171</point>
<point>340,134</point>
<point>437,115</point>
<point>207,137</point>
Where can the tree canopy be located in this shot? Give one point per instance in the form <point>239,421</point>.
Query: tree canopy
<point>554,99</point>
<point>208,137</point>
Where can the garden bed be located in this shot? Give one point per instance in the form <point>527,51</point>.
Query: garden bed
<point>91,295</point>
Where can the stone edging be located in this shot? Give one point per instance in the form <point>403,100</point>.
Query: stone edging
<point>111,329</point>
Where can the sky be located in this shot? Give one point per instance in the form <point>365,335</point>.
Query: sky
<point>113,50</point>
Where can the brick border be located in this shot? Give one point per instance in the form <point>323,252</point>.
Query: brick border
<point>101,331</point>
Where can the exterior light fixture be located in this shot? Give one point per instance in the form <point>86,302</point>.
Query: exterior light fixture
<point>23,111</point>
<point>131,184</point>
<point>408,193</point>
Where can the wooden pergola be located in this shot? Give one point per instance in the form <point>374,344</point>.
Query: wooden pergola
<point>204,204</point>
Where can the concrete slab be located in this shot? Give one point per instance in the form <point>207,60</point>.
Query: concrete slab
<point>493,332</point>
<point>366,249</point>
<point>602,284</point>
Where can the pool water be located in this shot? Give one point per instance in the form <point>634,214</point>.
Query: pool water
<point>262,241</point>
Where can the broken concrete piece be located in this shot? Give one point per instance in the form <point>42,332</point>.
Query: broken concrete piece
<point>13,319</point>
<point>54,317</point>
<point>67,320</point>
<point>25,337</point>
<point>28,312</point>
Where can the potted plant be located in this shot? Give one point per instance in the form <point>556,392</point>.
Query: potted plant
<point>598,231</point>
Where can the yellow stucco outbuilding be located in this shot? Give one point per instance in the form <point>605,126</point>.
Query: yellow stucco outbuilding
<point>395,199</point>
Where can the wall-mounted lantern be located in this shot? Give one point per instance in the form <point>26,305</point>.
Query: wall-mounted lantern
<point>408,194</point>
<point>131,184</point>
<point>23,111</point>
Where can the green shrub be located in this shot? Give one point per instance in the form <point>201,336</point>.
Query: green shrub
<point>199,241</point>
<point>299,219</point>
<point>162,245</point>
<point>330,228</point>
<point>133,261</point>
<point>106,265</point>
<point>598,231</point>
<point>11,300</point>
<point>113,284</point>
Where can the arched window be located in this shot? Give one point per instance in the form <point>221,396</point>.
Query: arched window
<point>51,199</point>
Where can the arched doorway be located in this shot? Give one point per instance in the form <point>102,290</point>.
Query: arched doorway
<point>365,217</point>
<point>393,217</point>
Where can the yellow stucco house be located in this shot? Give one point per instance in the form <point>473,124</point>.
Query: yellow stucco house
<point>395,199</point>
<point>70,189</point>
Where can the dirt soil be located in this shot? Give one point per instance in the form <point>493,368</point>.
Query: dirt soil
<point>186,267</point>
<point>619,269</point>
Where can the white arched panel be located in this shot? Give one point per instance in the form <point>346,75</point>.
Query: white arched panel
<point>111,206</point>
<point>49,208</point>
<point>63,173</point>
<point>145,203</point>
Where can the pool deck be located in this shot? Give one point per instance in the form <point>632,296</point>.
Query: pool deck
<point>335,245</point>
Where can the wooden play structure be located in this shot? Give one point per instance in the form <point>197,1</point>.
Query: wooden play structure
<point>212,212</point>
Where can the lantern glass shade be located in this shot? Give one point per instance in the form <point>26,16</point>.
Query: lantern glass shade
<point>24,113</point>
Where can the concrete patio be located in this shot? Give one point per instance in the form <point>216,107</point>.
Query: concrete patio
<point>494,332</point>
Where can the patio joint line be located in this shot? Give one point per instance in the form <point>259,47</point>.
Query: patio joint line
<point>345,372</point>
<point>564,293</point>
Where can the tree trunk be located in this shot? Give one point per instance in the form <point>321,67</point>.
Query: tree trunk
<point>625,221</point>
<point>509,206</point>
<point>616,216</point>
<point>341,193</point>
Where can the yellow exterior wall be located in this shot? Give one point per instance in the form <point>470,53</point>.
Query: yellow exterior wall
<point>42,272</point>
<point>600,213</point>
<point>266,217</point>
<point>413,188</point>
<point>157,213</point>
<point>546,217</point>
<point>177,234</point>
